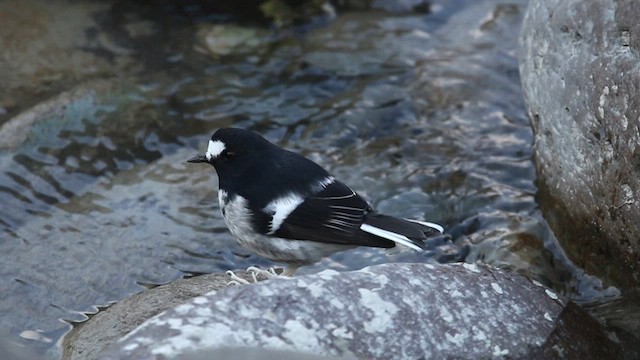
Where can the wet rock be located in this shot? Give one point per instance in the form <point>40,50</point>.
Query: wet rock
<point>283,12</point>
<point>16,130</point>
<point>416,310</point>
<point>48,47</point>
<point>87,339</point>
<point>573,331</point>
<point>580,70</point>
<point>11,351</point>
<point>221,40</point>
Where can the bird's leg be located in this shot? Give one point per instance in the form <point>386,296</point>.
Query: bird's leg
<point>237,280</point>
<point>289,271</point>
<point>270,273</point>
<point>255,272</point>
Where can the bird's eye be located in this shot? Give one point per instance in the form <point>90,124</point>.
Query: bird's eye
<point>228,155</point>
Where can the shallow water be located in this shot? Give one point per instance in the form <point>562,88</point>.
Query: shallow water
<point>420,113</point>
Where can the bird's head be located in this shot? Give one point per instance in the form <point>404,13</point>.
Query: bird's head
<point>231,147</point>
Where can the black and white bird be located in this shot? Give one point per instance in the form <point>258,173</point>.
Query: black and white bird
<point>286,208</point>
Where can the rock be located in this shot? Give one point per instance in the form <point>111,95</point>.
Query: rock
<point>16,130</point>
<point>50,47</point>
<point>574,330</point>
<point>87,339</point>
<point>222,40</point>
<point>255,354</point>
<point>580,70</point>
<point>384,311</point>
<point>11,351</point>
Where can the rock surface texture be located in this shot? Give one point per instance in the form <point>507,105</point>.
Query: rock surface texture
<point>580,70</point>
<point>88,339</point>
<point>407,311</point>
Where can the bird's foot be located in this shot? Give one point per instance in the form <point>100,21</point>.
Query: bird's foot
<point>235,279</point>
<point>256,273</point>
<point>270,273</point>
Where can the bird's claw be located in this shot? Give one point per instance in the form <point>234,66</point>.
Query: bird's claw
<point>270,273</point>
<point>255,272</point>
<point>235,279</point>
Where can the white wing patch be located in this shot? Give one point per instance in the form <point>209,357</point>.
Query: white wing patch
<point>397,238</point>
<point>428,224</point>
<point>214,149</point>
<point>322,184</point>
<point>281,208</point>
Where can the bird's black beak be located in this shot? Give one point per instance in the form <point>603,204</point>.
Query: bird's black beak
<point>198,159</point>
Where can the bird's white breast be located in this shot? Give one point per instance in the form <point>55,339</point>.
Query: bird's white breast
<point>237,215</point>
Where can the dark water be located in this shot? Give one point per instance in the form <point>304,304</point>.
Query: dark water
<point>422,113</point>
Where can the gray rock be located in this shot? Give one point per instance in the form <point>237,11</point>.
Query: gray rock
<point>87,339</point>
<point>49,47</point>
<point>11,351</point>
<point>243,353</point>
<point>16,130</point>
<point>380,312</point>
<point>580,70</point>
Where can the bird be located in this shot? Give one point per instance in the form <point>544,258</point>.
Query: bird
<point>286,208</point>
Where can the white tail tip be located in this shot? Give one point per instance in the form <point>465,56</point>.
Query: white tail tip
<point>428,224</point>
<point>397,238</point>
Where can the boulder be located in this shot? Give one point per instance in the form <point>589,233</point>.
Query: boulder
<point>580,70</point>
<point>87,339</point>
<point>381,312</point>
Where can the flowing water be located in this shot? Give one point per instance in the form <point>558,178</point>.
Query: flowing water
<point>419,111</point>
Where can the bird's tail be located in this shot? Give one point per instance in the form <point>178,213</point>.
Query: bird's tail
<point>410,233</point>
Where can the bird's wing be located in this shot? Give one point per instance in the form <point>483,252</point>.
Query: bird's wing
<point>333,215</point>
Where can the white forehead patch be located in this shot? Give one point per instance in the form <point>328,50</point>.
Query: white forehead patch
<point>214,149</point>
